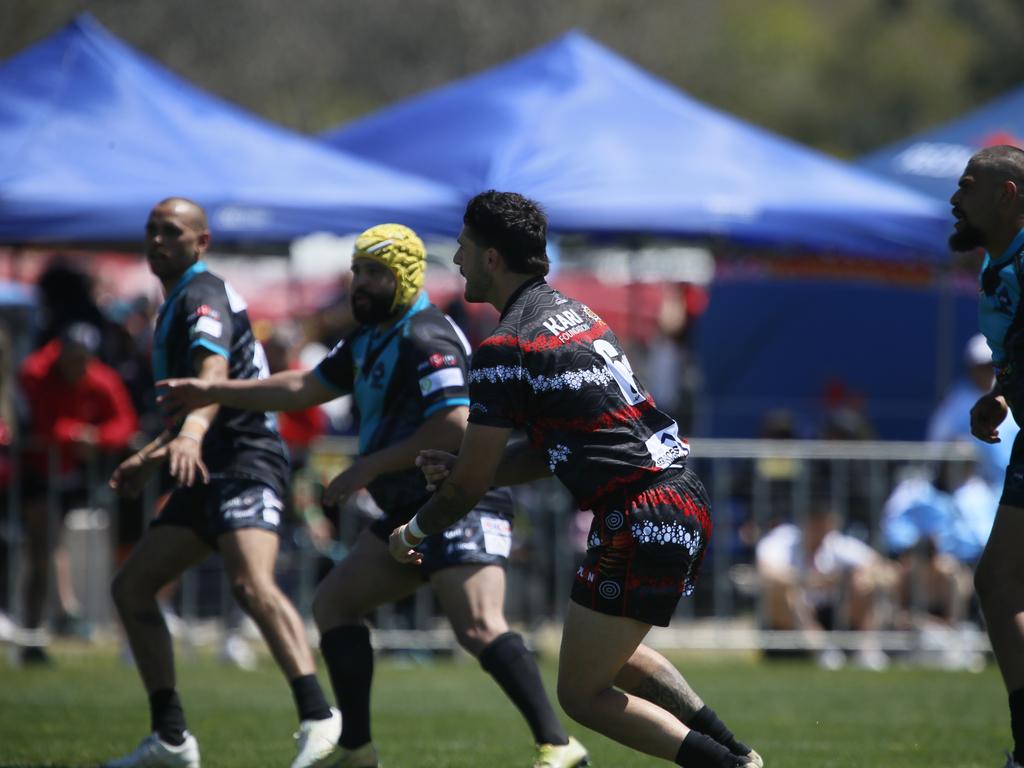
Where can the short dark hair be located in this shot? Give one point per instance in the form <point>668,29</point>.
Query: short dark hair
<point>515,226</point>
<point>1003,159</point>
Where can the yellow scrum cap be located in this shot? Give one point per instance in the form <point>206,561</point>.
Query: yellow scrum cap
<point>399,249</point>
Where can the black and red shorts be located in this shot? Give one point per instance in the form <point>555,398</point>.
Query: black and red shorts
<point>644,550</point>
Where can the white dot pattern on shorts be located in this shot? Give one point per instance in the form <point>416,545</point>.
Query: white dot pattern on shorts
<point>557,455</point>
<point>667,533</point>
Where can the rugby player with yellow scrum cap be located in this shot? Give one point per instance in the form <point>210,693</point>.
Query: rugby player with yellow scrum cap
<point>405,366</point>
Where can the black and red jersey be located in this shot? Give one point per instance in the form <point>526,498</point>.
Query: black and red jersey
<point>555,369</point>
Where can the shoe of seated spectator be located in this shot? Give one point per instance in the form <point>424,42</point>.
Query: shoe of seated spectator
<point>872,659</point>
<point>152,752</point>
<point>831,658</point>
<point>318,742</point>
<point>753,759</point>
<point>36,656</point>
<point>1010,762</point>
<point>72,625</point>
<point>569,755</point>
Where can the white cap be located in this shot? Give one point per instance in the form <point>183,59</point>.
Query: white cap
<point>977,351</point>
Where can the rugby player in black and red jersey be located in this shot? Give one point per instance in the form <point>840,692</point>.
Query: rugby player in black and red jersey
<point>555,370</point>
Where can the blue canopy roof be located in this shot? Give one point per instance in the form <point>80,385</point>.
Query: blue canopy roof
<point>931,162</point>
<point>92,134</point>
<point>606,147</point>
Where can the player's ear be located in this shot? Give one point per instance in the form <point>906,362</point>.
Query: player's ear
<point>493,259</point>
<point>203,241</point>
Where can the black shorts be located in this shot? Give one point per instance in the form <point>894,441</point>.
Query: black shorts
<point>223,505</point>
<point>644,550</point>
<point>482,537</point>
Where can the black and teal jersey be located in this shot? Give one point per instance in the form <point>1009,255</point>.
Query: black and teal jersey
<point>203,311</point>
<point>398,378</point>
<point>999,309</point>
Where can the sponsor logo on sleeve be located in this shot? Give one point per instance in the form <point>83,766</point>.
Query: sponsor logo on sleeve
<point>442,379</point>
<point>210,326</point>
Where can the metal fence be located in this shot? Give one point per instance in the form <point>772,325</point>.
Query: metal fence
<point>751,482</point>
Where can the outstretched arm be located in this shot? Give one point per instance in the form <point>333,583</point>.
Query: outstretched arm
<point>284,391</point>
<point>521,463</point>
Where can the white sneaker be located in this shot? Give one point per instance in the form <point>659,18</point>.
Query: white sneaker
<point>154,753</point>
<point>362,757</point>
<point>318,741</point>
<point>872,659</point>
<point>1010,762</point>
<point>831,658</point>
<point>754,759</point>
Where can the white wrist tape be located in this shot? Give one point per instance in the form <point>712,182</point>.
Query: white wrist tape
<point>197,418</point>
<point>405,538</point>
<point>414,527</point>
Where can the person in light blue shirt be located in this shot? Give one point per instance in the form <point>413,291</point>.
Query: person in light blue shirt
<point>989,209</point>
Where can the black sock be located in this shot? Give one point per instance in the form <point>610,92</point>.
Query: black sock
<point>1017,724</point>
<point>707,722</point>
<point>510,663</point>
<point>349,658</point>
<point>166,716</point>
<point>309,698</point>
<point>700,751</point>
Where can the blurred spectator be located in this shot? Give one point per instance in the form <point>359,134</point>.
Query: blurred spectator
<point>957,516</point>
<point>9,433</point>
<point>815,578</point>
<point>847,480</point>
<point>672,374</point>
<point>79,414</point>
<point>952,418</point>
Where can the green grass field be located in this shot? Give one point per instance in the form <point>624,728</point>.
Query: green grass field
<point>449,714</point>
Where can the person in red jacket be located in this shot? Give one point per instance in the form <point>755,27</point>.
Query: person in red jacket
<point>79,414</point>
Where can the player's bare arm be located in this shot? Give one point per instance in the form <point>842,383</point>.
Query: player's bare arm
<point>521,463</point>
<point>442,429</point>
<point>133,473</point>
<point>472,475</point>
<point>283,391</point>
<point>185,451</point>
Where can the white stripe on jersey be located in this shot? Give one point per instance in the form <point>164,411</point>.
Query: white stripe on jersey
<point>575,380</point>
<point>235,300</point>
<point>458,332</point>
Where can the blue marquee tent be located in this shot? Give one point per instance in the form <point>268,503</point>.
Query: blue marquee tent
<point>92,134</point>
<point>932,161</point>
<point>608,148</point>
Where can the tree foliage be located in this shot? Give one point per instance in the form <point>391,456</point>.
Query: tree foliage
<point>842,75</point>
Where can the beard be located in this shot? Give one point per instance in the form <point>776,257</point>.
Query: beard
<point>373,309</point>
<point>967,238</point>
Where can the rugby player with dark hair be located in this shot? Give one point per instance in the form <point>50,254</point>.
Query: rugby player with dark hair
<point>554,369</point>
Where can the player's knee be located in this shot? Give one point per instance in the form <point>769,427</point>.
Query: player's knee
<point>573,699</point>
<point>326,613</point>
<point>986,578</point>
<point>478,633</point>
<point>124,589</point>
<point>252,594</point>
